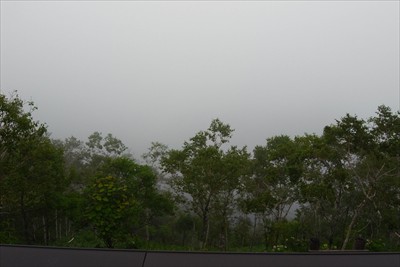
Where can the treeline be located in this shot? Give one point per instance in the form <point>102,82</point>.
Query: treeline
<point>335,190</point>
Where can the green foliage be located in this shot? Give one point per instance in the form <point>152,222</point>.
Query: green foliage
<point>376,245</point>
<point>208,174</point>
<point>31,172</point>
<point>107,146</point>
<point>122,199</point>
<point>341,185</point>
<point>272,189</point>
<point>275,172</point>
<point>108,203</point>
<point>351,176</point>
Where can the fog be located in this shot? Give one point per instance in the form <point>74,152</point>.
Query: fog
<point>162,70</point>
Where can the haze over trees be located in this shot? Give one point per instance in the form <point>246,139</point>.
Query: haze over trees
<point>337,188</point>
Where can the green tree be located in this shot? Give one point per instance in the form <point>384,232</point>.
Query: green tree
<point>324,189</point>
<point>364,164</point>
<point>206,175</point>
<point>272,189</point>
<point>348,173</point>
<point>107,206</point>
<point>31,172</point>
<point>98,149</point>
<point>123,199</point>
<point>153,157</point>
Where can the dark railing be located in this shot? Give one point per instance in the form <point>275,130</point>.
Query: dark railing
<point>11,255</point>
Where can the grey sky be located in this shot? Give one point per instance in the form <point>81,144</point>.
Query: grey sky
<point>162,70</point>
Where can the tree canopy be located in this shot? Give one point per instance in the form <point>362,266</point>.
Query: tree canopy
<point>326,191</point>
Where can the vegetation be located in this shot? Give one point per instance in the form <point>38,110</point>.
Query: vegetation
<point>337,190</point>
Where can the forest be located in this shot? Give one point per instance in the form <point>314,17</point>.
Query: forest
<point>335,191</point>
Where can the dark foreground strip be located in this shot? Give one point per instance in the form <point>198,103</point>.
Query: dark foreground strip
<point>29,256</point>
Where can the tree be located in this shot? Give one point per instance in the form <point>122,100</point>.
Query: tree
<point>348,172</point>
<point>99,148</point>
<point>324,189</point>
<point>153,157</point>
<point>122,198</point>
<point>107,206</point>
<point>271,190</point>
<point>31,171</point>
<point>204,174</point>
<point>385,127</point>
<point>363,162</point>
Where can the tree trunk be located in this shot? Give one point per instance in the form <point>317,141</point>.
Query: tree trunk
<point>207,232</point>
<point>183,238</point>
<point>147,227</point>
<point>349,229</point>
<point>266,231</point>
<point>226,236</point>
<point>44,230</point>
<point>56,224</point>
<point>24,219</point>
<point>206,227</point>
<point>254,232</point>
<point>109,242</point>
<point>353,221</point>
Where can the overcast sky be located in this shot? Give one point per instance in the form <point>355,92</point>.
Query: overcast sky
<point>162,70</point>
